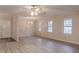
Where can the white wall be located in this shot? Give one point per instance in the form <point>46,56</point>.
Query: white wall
<point>5,26</point>
<point>22,27</point>
<point>58,29</point>
<point>25,27</point>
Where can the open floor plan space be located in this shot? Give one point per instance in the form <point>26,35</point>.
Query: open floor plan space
<point>39,28</point>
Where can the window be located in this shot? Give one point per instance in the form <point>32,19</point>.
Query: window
<point>50,23</point>
<point>39,27</point>
<point>68,26</point>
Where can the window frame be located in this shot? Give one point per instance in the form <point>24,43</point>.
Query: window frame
<point>50,26</point>
<point>68,26</point>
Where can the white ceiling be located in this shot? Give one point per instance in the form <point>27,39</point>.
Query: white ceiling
<point>23,10</point>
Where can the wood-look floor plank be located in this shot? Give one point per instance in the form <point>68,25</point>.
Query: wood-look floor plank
<point>36,45</point>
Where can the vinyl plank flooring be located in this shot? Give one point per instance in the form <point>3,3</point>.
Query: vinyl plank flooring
<point>36,45</point>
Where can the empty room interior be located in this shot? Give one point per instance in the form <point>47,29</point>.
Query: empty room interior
<point>39,28</point>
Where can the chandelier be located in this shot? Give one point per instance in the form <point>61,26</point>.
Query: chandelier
<point>35,10</point>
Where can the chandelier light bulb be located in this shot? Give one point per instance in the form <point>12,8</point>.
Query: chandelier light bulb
<point>37,9</point>
<point>36,13</point>
<point>32,13</point>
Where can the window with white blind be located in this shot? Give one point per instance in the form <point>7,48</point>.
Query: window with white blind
<point>68,26</point>
<point>50,26</point>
